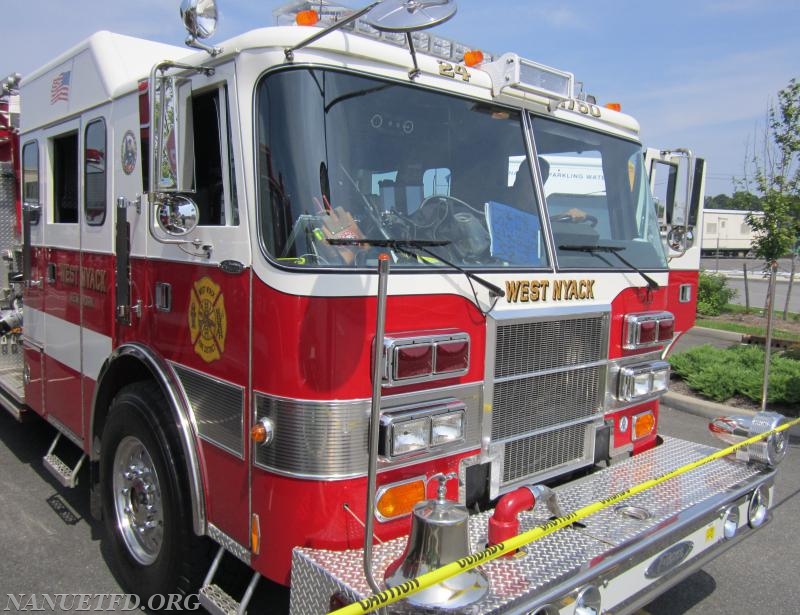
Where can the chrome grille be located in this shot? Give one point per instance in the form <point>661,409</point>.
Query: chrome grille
<point>542,401</point>
<point>544,452</point>
<point>536,346</point>
<point>547,391</point>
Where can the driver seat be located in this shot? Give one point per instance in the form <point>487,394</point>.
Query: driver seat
<point>521,193</point>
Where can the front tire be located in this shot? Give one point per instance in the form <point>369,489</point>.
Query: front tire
<point>145,501</point>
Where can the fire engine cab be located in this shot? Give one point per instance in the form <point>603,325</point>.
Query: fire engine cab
<point>339,278</point>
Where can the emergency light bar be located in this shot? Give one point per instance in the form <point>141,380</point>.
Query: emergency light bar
<point>330,13</point>
<point>512,71</point>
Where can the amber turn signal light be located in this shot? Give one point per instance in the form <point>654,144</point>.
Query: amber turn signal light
<point>399,500</point>
<point>307,18</point>
<point>473,58</point>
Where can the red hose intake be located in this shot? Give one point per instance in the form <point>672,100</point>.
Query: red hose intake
<point>503,524</point>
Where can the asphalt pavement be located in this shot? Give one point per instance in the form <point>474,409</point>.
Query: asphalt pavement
<point>752,289</point>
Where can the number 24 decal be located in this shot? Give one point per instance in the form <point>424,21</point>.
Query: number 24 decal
<point>446,69</point>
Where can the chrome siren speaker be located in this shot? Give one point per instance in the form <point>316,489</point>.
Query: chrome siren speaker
<point>734,429</point>
<point>439,535</point>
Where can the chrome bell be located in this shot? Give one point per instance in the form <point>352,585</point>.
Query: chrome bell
<point>439,535</point>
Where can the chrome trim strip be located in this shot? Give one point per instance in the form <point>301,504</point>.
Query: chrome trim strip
<point>229,544</point>
<point>187,430</point>
<point>551,371</point>
<point>214,432</point>
<point>327,440</point>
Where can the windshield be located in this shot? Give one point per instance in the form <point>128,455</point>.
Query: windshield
<point>343,156</point>
<point>597,195</point>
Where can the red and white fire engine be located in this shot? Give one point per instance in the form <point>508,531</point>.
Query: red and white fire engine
<point>341,274</point>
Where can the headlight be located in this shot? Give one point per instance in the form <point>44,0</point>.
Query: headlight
<point>730,522</point>
<point>447,428</point>
<point>410,436</point>
<point>643,380</point>
<point>589,601</point>
<point>758,507</point>
<point>422,427</point>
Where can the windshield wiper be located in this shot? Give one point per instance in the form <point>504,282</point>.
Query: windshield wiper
<point>412,247</point>
<point>615,250</point>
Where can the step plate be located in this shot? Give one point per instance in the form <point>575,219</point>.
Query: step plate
<point>60,470</point>
<point>216,601</point>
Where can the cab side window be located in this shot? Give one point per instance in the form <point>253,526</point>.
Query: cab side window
<point>30,179</point>
<point>211,128</point>
<point>94,178</point>
<point>65,178</point>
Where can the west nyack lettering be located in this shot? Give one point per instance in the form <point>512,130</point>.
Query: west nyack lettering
<point>532,291</point>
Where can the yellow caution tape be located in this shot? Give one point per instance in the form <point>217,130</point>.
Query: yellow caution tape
<point>424,581</point>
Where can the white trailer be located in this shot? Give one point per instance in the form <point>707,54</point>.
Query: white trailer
<point>727,232</point>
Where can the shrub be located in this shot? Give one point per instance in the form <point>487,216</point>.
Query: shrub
<point>713,294</point>
<point>721,373</point>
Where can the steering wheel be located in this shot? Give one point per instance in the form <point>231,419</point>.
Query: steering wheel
<point>567,217</point>
<point>455,220</point>
<point>446,198</point>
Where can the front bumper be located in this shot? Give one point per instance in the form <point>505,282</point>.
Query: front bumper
<point>631,552</point>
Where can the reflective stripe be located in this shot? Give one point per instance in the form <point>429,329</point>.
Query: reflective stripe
<point>62,342</point>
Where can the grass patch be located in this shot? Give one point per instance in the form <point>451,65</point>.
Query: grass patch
<point>722,373</point>
<point>724,325</point>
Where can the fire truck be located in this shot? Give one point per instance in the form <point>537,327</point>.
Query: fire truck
<point>325,298</point>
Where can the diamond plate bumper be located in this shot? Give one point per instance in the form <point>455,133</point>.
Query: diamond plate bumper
<point>629,559</point>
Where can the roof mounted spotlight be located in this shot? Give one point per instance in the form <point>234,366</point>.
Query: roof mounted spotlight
<point>10,85</point>
<point>512,71</point>
<point>200,19</point>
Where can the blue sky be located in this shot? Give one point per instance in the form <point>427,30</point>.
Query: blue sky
<point>695,73</point>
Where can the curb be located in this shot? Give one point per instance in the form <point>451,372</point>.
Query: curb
<point>700,407</point>
<point>718,333</point>
<point>709,409</point>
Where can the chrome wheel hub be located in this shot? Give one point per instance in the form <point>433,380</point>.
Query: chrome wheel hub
<point>137,501</point>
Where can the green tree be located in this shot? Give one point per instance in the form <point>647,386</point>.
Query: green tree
<point>741,200</point>
<point>721,201</point>
<point>775,178</point>
<point>745,201</point>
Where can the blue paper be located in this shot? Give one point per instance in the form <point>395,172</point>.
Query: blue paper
<point>514,234</point>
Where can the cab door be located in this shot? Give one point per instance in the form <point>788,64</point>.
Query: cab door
<point>677,180</point>
<point>63,395</point>
<point>199,281</point>
<point>33,335</point>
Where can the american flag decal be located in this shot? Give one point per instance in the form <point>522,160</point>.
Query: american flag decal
<point>59,90</point>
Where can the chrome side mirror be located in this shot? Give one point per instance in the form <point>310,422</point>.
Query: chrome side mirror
<point>177,215</point>
<point>200,19</point>
<point>680,240</point>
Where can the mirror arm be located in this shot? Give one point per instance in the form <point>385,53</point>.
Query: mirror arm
<point>213,51</point>
<point>289,51</point>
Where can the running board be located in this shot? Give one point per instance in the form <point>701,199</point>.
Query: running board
<point>215,600</point>
<point>65,475</point>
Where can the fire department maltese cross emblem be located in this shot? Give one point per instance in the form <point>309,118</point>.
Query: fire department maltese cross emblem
<point>208,321</point>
